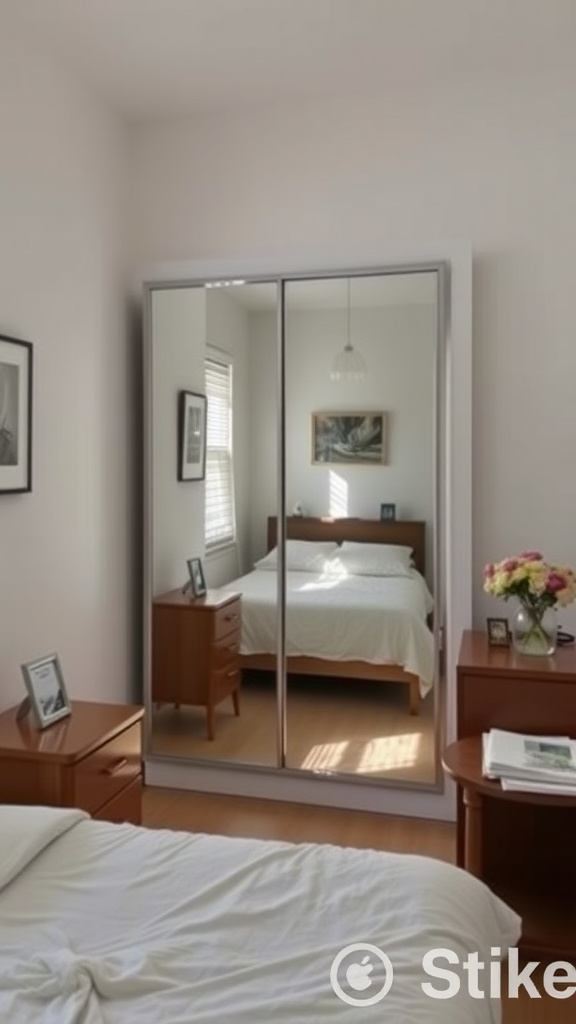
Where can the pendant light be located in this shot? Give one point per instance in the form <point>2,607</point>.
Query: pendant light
<point>348,364</point>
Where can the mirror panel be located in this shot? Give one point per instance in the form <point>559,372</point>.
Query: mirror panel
<point>344,715</point>
<point>220,341</point>
<point>356,441</point>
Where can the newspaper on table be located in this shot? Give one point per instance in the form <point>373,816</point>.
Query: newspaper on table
<point>524,762</point>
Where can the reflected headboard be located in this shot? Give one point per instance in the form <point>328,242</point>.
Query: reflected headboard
<point>369,531</point>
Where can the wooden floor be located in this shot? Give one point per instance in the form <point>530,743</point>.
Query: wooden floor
<point>267,819</point>
<point>336,725</point>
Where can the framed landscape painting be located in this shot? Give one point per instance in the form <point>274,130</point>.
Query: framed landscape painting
<point>349,438</point>
<point>15,415</point>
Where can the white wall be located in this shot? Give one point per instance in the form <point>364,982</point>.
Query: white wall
<point>493,165</point>
<point>397,343</point>
<point>178,322</point>
<point>66,550</point>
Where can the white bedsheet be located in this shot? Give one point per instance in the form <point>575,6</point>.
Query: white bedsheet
<point>342,618</point>
<point>113,924</point>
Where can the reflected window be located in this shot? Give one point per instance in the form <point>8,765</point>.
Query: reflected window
<point>220,525</point>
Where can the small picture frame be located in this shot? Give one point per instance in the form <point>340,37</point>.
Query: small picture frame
<point>192,421</point>
<point>46,690</point>
<point>498,632</point>
<point>197,581</point>
<point>387,512</point>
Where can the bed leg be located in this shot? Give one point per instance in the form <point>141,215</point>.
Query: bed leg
<point>236,701</point>
<point>415,697</point>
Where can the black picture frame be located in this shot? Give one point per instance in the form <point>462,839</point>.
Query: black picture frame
<point>387,511</point>
<point>196,573</point>
<point>47,694</point>
<point>498,632</point>
<point>192,421</point>
<point>16,364</point>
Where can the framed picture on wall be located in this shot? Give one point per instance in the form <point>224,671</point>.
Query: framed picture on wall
<point>349,438</point>
<point>15,415</point>
<point>192,409</point>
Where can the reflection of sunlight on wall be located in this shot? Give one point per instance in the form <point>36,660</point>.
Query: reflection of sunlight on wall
<point>338,495</point>
<point>384,754</point>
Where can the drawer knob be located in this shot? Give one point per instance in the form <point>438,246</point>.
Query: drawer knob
<point>230,618</point>
<point>116,767</point>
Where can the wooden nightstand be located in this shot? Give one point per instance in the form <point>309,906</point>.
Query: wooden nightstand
<point>196,650</point>
<point>526,847</point>
<point>92,759</point>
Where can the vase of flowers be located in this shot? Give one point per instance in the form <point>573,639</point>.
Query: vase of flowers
<point>539,587</point>
<point>534,630</point>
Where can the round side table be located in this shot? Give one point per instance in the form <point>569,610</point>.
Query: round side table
<point>462,761</point>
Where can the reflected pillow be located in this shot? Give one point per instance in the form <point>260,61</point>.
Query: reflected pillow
<point>301,556</point>
<point>374,559</point>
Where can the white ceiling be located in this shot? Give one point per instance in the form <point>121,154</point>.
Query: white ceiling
<point>163,58</point>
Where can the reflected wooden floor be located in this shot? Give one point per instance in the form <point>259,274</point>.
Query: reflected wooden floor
<point>359,728</point>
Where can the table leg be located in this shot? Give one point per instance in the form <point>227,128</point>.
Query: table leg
<point>473,832</point>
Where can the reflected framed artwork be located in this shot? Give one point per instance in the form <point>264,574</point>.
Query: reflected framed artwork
<point>196,573</point>
<point>387,511</point>
<point>15,415</point>
<point>192,410</point>
<point>349,438</point>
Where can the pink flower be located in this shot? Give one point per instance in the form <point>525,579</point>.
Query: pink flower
<point>532,556</point>
<point>555,583</point>
<point>510,564</point>
<point>489,571</point>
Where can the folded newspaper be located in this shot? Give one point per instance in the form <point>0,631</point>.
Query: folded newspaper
<point>526,763</point>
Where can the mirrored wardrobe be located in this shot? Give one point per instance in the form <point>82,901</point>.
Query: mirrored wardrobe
<point>294,444</point>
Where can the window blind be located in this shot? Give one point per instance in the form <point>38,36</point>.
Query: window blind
<point>220,527</point>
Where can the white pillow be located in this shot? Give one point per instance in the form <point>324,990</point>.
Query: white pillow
<point>360,559</point>
<point>301,556</point>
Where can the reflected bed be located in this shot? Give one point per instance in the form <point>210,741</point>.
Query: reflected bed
<point>339,624</point>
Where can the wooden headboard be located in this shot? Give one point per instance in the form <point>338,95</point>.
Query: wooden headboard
<point>369,531</point>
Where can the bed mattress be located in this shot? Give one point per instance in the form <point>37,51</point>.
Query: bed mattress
<point>355,618</point>
<point>114,924</point>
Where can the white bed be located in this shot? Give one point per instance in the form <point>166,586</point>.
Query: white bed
<point>342,618</point>
<point>361,621</point>
<point>114,924</point>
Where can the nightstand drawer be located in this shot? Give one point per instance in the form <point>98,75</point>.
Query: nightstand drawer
<point>226,651</point>
<point>226,619</point>
<point>102,775</point>
<point>126,806</point>
<point>225,681</point>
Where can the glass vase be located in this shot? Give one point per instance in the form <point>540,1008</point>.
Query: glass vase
<point>534,631</point>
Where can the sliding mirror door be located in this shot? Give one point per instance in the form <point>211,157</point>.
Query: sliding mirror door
<point>319,498</point>
<point>361,469</point>
<point>219,344</point>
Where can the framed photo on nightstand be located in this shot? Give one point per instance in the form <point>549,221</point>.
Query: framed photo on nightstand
<point>498,632</point>
<point>46,690</point>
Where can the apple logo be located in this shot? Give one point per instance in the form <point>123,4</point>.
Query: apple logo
<point>357,975</point>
